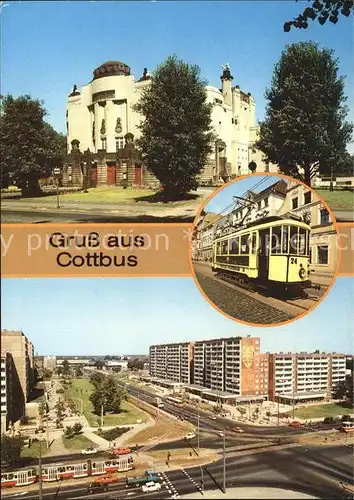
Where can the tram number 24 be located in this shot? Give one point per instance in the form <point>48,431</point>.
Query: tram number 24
<point>293,260</point>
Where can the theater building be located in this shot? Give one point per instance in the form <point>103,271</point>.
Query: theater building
<point>102,127</point>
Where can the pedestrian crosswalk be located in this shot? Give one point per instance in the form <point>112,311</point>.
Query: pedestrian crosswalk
<point>192,480</point>
<point>167,483</point>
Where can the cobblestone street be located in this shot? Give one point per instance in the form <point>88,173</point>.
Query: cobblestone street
<point>239,305</point>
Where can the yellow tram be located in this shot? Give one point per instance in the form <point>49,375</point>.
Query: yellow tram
<point>274,251</point>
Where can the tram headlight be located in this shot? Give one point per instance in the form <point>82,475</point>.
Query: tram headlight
<point>302,273</point>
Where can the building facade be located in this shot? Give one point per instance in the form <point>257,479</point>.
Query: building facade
<point>202,242</point>
<point>254,207</point>
<point>304,377</point>
<point>50,362</point>
<point>17,354</point>
<point>102,126</point>
<point>233,369</point>
<point>301,203</point>
<point>172,362</point>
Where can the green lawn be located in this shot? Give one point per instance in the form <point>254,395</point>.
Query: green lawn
<point>80,391</point>
<point>343,200</point>
<point>99,195</point>
<point>78,442</point>
<point>325,410</point>
<point>33,450</point>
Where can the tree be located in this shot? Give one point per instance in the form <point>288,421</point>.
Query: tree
<point>30,148</point>
<point>107,394</point>
<point>47,374</point>
<point>11,448</point>
<point>135,364</point>
<point>78,372</point>
<point>66,367</point>
<point>176,132</point>
<point>321,10</point>
<point>344,389</point>
<point>96,379</point>
<point>99,364</point>
<point>305,131</point>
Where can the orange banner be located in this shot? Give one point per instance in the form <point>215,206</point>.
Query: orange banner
<point>126,250</point>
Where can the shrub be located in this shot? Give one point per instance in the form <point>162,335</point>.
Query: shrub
<point>114,433</point>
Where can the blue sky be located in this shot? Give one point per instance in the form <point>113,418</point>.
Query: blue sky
<point>124,316</point>
<point>221,202</point>
<point>47,47</point>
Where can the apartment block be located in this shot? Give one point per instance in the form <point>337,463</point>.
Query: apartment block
<point>17,354</point>
<point>230,369</point>
<point>304,376</point>
<point>230,365</point>
<point>49,362</point>
<point>172,362</point>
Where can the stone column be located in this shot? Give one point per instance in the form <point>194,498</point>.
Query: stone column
<point>101,168</point>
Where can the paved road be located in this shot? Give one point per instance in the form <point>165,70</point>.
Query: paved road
<point>238,304</point>
<point>316,471</point>
<point>35,217</point>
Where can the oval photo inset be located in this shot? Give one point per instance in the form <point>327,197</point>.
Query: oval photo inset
<point>264,249</point>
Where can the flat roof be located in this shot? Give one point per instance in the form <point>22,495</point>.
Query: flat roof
<point>197,387</point>
<point>302,395</point>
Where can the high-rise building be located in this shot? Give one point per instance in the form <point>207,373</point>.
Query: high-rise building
<point>49,362</point>
<point>304,376</point>
<point>17,354</point>
<point>172,362</point>
<point>234,368</point>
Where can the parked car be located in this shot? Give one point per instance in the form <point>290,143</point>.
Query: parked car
<point>151,486</point>
<point>97,487</point>
<point>213,417</point>
<point>190,435</point>
<point>89,451</point>
<point>238,429</point>
<point>221,434</point>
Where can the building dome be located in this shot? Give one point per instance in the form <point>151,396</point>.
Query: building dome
<point>111,68</point>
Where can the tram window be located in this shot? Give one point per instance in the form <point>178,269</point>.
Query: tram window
<point>308,249</point>
<point>234,246</point>
<point>61,469</point>
<point>293,240</point>
<point>254,242</point>
<point>244,244</point>
<point>224,245</point>
<point>218,247</point>
<point>285,230</point>
<point>302,241</point>
<point>276,240</point>
<point>10,476</point>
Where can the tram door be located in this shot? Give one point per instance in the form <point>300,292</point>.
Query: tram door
<point>263,254</point>
<point>52,473</point>
<point>22,478</point>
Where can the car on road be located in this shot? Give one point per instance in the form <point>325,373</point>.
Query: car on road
<point>97,488</point>
<point>119,451</point>
<point>190,435</point>
<point>213,417</point>
<point>89,451</point>
<point>221,434</point>
<point>295,423</point>
<point>238,429</point>
<point>151,486</point>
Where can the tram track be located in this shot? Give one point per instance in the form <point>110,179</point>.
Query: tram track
<point>298,304</point>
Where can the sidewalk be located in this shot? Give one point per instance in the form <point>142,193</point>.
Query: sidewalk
<point>251,493</point>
